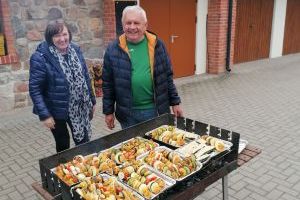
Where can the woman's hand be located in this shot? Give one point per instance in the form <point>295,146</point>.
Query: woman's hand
<point>94,109</point>
<point>93,112</point>
<point>49,123</point>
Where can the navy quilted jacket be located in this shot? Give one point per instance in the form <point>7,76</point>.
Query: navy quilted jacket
<point>48,86</point>
<point>117,96</point>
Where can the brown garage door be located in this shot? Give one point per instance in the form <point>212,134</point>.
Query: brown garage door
<point>292,28</point>
<point>174,22</point>
<point>253,30</point>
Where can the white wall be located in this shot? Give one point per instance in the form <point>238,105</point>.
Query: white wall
<point>200,52</point>
<point>278,23</point>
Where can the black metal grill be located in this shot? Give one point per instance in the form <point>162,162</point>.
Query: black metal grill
<point>216,168</point>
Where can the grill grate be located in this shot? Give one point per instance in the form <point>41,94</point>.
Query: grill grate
<point>189,188</point>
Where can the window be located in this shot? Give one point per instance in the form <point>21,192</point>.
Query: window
<point>119,7</point>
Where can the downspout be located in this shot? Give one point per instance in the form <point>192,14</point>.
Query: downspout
<point>229,35</point>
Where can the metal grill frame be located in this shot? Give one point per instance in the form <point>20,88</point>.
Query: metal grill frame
<point>215,169</point>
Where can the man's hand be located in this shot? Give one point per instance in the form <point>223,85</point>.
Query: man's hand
<point>177,111</point>
<point>49,123</point>
<point>110,121</point>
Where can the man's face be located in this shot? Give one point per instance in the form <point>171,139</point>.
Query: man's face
<point>61,40</point>
<point>134,26</point>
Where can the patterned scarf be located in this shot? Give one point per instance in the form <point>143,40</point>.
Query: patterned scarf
<point>80,104</point>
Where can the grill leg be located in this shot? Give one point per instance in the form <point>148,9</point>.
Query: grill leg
<point>225,187</point>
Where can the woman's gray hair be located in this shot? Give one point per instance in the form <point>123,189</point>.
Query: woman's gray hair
<point>136,9</point>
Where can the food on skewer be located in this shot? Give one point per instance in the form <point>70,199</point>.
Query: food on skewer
<point>212,141</point>
<point>142,179</point>
<point>131,149</point>
<point>107,161</point>
<point>172,135</point>
<point>171,164</point>
<point>103,188</point>
<point>81,167</point>
<point>203,148</point>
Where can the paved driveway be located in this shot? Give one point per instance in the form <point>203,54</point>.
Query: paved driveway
<point>260,100</point>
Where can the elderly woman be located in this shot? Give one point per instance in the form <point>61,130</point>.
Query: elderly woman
<point>60,87</point>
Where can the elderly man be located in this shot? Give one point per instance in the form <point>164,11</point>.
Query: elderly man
<point>137,75</point>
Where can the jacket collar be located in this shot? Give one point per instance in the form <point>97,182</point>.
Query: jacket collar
<point>152,39</point>
<point>43,48</point>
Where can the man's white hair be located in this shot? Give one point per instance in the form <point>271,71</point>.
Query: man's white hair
<point>136,9</point>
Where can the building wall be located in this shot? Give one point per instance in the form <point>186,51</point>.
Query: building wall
<point>109,21</point>
<point>217,24</point>
<point>93,25</point>
<point>278,23</point>
<point>201,38</point>
<point>9,63</point>
<point>26,21</point>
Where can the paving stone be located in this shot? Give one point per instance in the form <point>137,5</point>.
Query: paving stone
<point>275,194</point>
<point>289,172</point>
<point>28,179</point>
<point>9,174</point>
<point>17,177</point>
<point>15,195</point>
<point>12,184</point>
<point>296,167</point>
<point>35,174</point>
<point>253,182</point>
<point>5,192</point>
<point>277,174</point>
<point>3,180</point>
<point>237,186</point>
<point>15,167</point>
<point>289,197</point>
<point>293,179</point>
<point>30,193</point>
<point>248,198</point>
<point>211,194</point>
<point>256,196</point>
<point>23,188</point>
<point>243,193</point>
<point>288,190</point>
<point>259,100</point>
<point>265,178</point>
<point>256,190</point>
<point>282,182</point>
<point>9,151</point>
<point>297,186</point>
<point>3,197</point>
<point>269,186</point>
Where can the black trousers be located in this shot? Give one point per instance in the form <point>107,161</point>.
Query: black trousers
<point>62,137</point>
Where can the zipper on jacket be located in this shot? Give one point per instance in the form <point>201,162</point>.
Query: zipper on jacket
<point>127,53</point>
<point>153,83</point>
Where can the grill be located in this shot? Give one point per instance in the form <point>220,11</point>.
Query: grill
<point>218,167</point>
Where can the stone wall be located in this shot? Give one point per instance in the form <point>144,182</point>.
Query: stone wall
<point>29,19</point>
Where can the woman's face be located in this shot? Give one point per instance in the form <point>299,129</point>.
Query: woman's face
<point>61,40</point>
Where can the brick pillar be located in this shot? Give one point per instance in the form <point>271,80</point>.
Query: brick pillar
<point>234,5</point>
<point>109,20</point>
<point>11,56</point>
<point>217,35</point>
